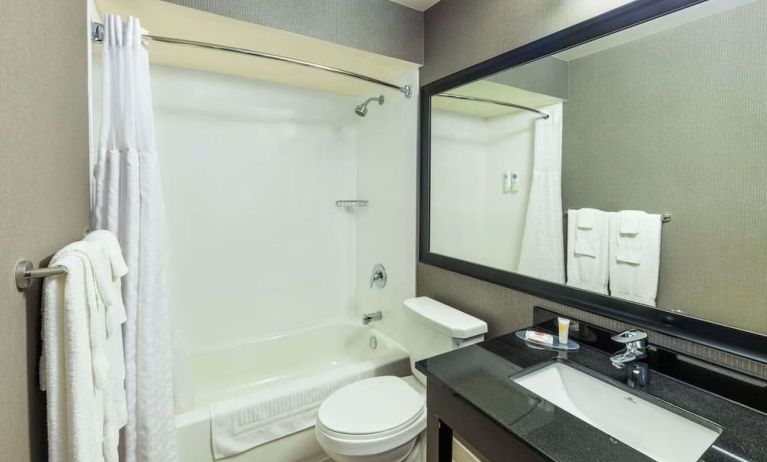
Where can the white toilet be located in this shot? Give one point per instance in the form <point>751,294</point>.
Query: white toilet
<point>380,419</point>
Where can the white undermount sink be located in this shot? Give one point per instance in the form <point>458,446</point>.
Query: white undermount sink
<point>650,429</point>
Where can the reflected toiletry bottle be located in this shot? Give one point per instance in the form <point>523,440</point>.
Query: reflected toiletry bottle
<point>564,330</point>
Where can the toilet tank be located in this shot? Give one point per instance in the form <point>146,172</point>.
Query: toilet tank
<point>437,328</point>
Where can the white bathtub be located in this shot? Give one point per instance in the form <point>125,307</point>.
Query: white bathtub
<point>229,372</point>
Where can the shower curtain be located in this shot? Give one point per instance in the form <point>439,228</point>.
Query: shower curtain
<point>542,253</point>
<point>128,201</point>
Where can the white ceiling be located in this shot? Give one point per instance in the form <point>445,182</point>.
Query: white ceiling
<point>420,5</point>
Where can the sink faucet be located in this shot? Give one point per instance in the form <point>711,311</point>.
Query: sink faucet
<point>369,317</point>
<point>632,355</point>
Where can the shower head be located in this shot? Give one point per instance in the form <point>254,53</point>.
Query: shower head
<point>362,109</point>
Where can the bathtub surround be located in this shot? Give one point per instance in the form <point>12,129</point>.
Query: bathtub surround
<point>128,201</point>
<point>386,230</point>
<point>275,159</point>
<point>379,26</point>
<point>43,191</point>
<point>466,207</point>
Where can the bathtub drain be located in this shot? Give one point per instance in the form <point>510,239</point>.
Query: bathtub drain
<point>373,342</point>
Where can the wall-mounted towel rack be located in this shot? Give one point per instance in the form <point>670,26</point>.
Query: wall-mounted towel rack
<point>665,217</point>
<point>26,271</point>
<point>351,203</point>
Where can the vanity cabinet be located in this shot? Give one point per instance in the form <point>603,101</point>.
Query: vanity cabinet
<point>450,418</point>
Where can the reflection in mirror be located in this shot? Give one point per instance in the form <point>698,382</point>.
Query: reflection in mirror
<point>631,166</point>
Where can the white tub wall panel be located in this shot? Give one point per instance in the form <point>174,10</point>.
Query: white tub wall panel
<point>386,230</point>
<point>251,171</point>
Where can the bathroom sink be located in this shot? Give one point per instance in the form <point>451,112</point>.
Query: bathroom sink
<point>658,433</point>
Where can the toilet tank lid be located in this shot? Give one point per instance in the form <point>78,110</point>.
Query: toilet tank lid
<point>444,318</point>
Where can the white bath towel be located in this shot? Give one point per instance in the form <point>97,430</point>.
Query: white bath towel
<point>75,317</point>
<point>587,249</point>
<point>74,404</point>
<point>635,258</point>
<point>251,420</point>
<point>115,407</point>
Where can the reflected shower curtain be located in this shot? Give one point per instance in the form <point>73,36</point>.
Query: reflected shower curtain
<point>542,253</point>
<point>128,201</point>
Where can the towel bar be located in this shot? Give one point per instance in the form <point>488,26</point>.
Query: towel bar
<point>665,217</point>
<point>25,272</point>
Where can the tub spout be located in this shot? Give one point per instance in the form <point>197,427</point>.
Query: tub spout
<point>369,317</point>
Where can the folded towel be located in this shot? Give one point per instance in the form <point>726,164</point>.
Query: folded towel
<point>635,259</point>
<point>245,422</point>
<point>630,221</point>
<point>585,218</point>
<point>587,250</point>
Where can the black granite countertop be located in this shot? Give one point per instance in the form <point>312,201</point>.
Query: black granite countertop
<point>481,375</point>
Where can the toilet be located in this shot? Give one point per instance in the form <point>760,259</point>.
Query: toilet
<point>381,419</point>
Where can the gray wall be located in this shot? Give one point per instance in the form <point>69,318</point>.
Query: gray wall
<point>548,76</point>
<point>676,122</point>
<point>43,190</point>
<point>460,33</point>
<point>379,26</point>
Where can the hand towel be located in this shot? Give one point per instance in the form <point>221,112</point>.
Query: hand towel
<point>251,420</point>
<point>629,243</point>
<point>587,249</point>
<point>635,259</point>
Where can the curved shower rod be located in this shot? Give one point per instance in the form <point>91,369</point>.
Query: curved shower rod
<point>493,101</point>
<point>97,35</point>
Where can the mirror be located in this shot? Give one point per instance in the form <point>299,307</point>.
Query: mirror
<point>631,166</point>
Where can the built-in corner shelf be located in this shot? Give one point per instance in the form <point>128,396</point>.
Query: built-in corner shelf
<point>351,203</point>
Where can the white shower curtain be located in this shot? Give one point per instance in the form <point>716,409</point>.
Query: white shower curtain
<point>542,254</point>
<point>128,201</point>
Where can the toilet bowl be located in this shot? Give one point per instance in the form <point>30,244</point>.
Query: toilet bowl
<point>382,419</point>
<point>373,420</point>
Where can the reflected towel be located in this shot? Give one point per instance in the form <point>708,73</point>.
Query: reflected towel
<point>587,249</point>
<point>635,259</point>
<point>259,417</point>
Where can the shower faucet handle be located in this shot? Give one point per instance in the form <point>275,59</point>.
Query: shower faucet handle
<point>378,277</point>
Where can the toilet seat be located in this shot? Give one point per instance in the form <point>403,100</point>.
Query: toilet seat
<point>371,416</point>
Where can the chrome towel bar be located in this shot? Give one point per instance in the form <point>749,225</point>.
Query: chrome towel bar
<point>26,271</point>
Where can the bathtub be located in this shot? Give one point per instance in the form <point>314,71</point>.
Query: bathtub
<point>274,361</point>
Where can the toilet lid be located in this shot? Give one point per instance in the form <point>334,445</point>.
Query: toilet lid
<point>372,405</point>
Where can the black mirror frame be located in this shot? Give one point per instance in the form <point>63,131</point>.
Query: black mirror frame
<point>739,342</point>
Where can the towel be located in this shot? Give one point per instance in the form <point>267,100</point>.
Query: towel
<point>635,258</point>
<point>77,313</point>
<point>629,245</point>
<point>74,405</point>
<point>242,423</point>
<point>587,249</point>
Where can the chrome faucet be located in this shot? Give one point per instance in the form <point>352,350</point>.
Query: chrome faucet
<point>632,355</point>
<point>378,276</point>
<point>370,317</point>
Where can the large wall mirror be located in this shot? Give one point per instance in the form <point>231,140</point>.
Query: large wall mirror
<point>627,171</point>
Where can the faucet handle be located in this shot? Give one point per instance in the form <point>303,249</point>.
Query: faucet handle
<point>630,336</point>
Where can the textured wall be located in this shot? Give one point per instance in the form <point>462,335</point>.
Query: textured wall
<point>43,190</point>
<point>460,33</point>
<point>675,122</point>
<point>379,26</point>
